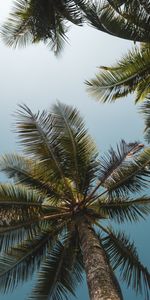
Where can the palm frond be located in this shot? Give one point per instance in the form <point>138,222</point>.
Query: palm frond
<point>108,18</point>
<point>115,158</point>
<point>36,134</point>
<point>22,212</point>
<point>69,9</point>
<point>12,195</point>
<point>61,271</point>
<point>145,110</point>
<point>32,22</point>
<point>143,89</point>
<point>130,177</point>
<point>136,12</point>
<point>19,206</point>
<point>16,234</point>
<point>19,263</point>
<point>59,38</point>
<point>29,173</point>
<point>79,149</point>
<point>130,74</point>
<point>16,30</point>
<point>123,255</point>
<point>123,209</point>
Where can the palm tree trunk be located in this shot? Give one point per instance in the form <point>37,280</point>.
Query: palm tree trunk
<point>101,281</point>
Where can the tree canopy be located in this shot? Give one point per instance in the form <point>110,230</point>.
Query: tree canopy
<point>32,21</point>
<point>59,182</point>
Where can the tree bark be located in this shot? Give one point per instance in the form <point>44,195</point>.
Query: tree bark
<point>101,280</point>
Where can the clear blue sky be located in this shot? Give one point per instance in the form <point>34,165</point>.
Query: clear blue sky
<point>34,76</point>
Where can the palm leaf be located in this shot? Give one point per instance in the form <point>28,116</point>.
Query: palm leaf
<point>135,14</point>
<point>114,159</point>
<point>27,172</point>
<point>14,234</point>
<point>130,177</point>
<point>130,74</point>
<point>123,255</point>
<point>117,174</point>
<point>59,38</point>
<point>20,262</point>
<point>32,22</point>
<point>79,149</point>
<point>36,134</point>
<point>12,195</point>
<point>108,18</point>
<point>122,210</point>
<point>61,271</point>
<point>143,89</point>
<point>22,212</point>
<point>16,30</point>
<point>145,110</point>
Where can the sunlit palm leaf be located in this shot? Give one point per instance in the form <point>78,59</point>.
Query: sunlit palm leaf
<point>27,172</point>
<point>130,74</point>
<point>12,195</point>
<point>36,134</point>
<point>79,149</point>
<point>21,212</point>
<point>122,254</point>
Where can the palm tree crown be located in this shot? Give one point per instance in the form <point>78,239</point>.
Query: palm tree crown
<point>59,185</point>
<point>42,20</point>
<point>46,20</point>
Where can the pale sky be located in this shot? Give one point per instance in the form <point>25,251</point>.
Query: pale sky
<point>34,76</point>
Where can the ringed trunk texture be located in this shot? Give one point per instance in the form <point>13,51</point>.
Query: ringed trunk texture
<point>101,280</point>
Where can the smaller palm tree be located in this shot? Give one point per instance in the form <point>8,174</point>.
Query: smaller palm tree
<point>55,214</point>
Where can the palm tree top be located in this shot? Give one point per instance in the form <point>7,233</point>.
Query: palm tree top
<point>32,21</point>
<point>58,183</point>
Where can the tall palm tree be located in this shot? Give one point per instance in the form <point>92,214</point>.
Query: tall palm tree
<point>53,213</point>
<point>46,20</point>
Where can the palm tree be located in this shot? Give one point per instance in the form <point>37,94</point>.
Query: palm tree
<point>53,213</point>
<point>46,20</point>
<point>131,74</point>
<point>43,20</point>
<point>127,19</point>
